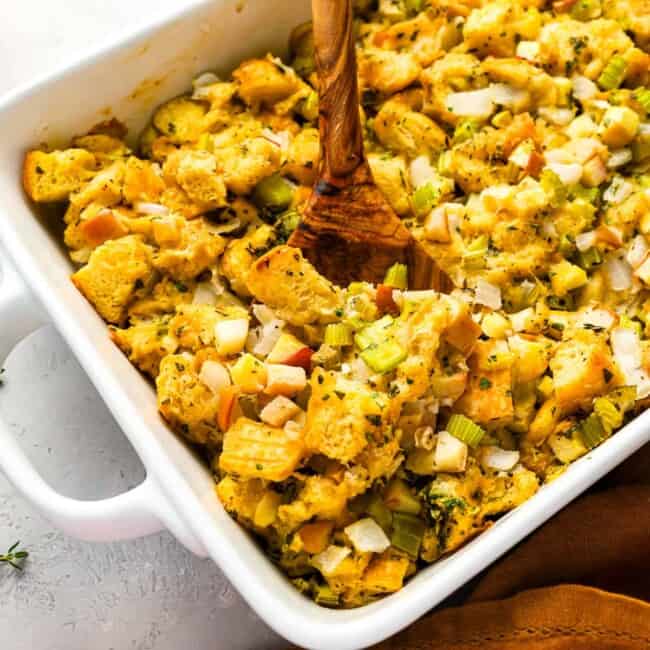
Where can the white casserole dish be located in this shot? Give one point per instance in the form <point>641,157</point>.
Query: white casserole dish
<point>127,80</point>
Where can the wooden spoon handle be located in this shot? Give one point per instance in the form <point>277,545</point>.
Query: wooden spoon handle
<point>340,125</point>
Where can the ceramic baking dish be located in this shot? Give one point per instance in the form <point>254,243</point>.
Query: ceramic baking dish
<point>127,80</point>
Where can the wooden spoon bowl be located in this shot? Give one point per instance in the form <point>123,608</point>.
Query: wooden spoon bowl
<point>349,231</point>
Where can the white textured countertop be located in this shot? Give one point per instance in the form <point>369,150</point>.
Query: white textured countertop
<point>145,595</point>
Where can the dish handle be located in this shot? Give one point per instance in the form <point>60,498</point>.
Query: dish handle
<point>141,511</point>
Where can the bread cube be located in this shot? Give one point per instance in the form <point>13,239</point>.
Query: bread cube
<point>566,276</point>
<point>52,177</point>
<point>186,403</point>
<point>265,81</point>
<point>115,271</point>
<point>255,450</point>
<point>582,369</point>
<point>180,119</point>
<point>285,281</point>
<point>619,126</point>
<point>390,175</point>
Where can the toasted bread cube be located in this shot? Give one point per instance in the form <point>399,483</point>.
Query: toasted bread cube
<point>197,175</point>
<point>385,574</point>
<point>531,357</point>
<point>488,397</point>
<point>241,497</point>
<point>265,81</point>
<point>113,274</point>
<point>52,177</point>
<point>390,174</point>
<point>188,405</point>
<point>566,276</point>
<point>187,248</point>
<point>246,163</point>
<point>619,126</point>
<point>255,450</point>
<point>231,335</point>
<point>582,369</point>
<point>146,343</point>
<point>105,188</point>
<point>266,511</point>
<point>303,157</point>
<point>386,71</point>
<point>285,281</point>
<point>249,373</point>
<point>142,182</point>
<point>278,411</point>
<point>180,119</point>
<point>284,380</point>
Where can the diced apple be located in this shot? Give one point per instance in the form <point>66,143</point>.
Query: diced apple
<point>278,411</point>
<point>249,373</point>
<point>301,359</point>
<point>285,380</point>
<point>286,347</point>
<point>231,335</point>
<point>451,453</point>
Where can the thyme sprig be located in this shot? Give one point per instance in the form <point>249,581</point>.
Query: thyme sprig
<point>14,557</point>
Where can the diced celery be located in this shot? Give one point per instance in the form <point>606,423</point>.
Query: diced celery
<point>592,431</point>
<point>464,429</point>
<point>286,223</point>
<point>562,303</point>
<point>613,74</point>
<point>609,414</point>
<point>338,335</point>
<point>397,276</point>
<point>273,194</point>
<point>475,253</point>
<point>408,532</point>
<point>309,107</point>
<point>374,333</point>
<point>323,595</point>
<point>590,195</point>
<point>414,6</point>
<point>377,509</point>
<point>425,198</point>
<point>465,130</point>
<point>384,357</point>
<point>624,397</point>
<point>640,151</point>
<point>642,95</point>
<point>589,259</point>
<point>553,187</point>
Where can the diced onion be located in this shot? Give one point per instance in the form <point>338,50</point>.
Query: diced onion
<point>487,294</point>
<point>528,50</point>
<point>557,116</point>
<point>586,240</point>
<point>600,318</point>
<point>619,158</point>
<point>328,560</point>
<point>231,335</point>
<point>618,273</point>
<point>499,459</point>
<point>569,174</point>
<point>264,314</point>
<point>280,139</point>
<point>618,191</point>
<point>205,79</point>
<point>155,209</point>
<point>267,337</point>
<point>421,171</point>
<point>629,357</point>
<point>204,294</point>
<point>230,226</point>
<point>637,252</point>
<point>450,454</point>
<point>505,95</point>
<point>215,376</point>
<point>473,103</point>
<point>583,88</point>
<point>521,318</point>
<point>367,536</point>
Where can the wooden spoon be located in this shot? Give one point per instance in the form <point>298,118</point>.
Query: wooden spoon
<point>348,230</point>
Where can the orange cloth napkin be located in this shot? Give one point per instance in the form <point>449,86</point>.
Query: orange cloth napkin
<point>581,582</point>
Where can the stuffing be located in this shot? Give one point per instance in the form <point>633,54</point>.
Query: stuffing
<point>265,81</point>
<point>254,450</point>
<point>113,275</point>
<point>303,157</point>
<point>180,120</point>
<point>52,177</point>
<point>291,286</point>
<point>188,405</point>
<point>186,248</point>
<point>386,71</point>
<point>391,176</point>
<point>146,343</point>
<point>582,369</point>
